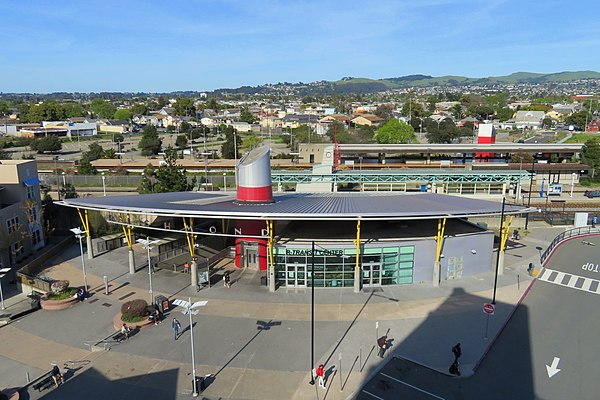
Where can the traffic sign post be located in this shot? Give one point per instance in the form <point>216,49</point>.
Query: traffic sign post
<point>489,308</point>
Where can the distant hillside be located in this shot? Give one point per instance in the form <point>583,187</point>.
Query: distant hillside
<point>349,85</point>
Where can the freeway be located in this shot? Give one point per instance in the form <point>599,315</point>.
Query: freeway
<point>548,350</point>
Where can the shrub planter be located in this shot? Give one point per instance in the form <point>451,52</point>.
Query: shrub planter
<point>54,305</point>
<point>118,323</point>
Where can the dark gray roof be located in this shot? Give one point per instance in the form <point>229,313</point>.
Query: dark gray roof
<point>300,206</point>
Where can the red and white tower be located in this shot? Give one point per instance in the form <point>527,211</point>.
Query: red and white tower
<point>254,177</point>
<point>486,135</point>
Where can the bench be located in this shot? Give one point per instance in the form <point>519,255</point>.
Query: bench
<point>45,382</point>
<point>118,336</point>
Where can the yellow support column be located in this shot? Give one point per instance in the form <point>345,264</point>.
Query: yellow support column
<point>86,226</point>
<point>128,231</point>
<point>357,274</point>
<point>271,261</point>
<point>504,229</point>
<point>438,251</point>
<point>189,235</point>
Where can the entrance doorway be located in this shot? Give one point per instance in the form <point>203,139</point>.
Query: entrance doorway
<point>371,274</point>
<point>250,255</point>
<point>295,275</point>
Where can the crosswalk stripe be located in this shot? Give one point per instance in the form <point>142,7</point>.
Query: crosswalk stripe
<point>569,280</point>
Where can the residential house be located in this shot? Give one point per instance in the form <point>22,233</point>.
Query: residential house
<point>593,126</point>
<point>242,127</point>
<point>21,222</point>
<point>529,119</point>
<point>366,120</point>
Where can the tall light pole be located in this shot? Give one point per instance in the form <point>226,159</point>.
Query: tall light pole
<point>79,233</point>
<point>206,154</point>
<point>499,249</point>
<point>312,313</point>
<point>103,184</point>
<point>3,272</point>
<point>235,156</point>
<point>189,308</point>
<point>147,244</point>
<point>529,195</point>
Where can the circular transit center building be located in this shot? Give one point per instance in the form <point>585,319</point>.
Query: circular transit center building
<point>332,240</point>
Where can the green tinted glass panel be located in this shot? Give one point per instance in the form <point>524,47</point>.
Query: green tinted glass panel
<point>407,264</point>
<point>407,249</point>
<point>405,272</point>
<point>406,280</point>
<point>406,257</point>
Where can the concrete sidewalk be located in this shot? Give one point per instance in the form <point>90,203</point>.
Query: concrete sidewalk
<point>246,335</point>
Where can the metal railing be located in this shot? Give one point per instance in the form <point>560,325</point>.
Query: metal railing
<point>586,230</point>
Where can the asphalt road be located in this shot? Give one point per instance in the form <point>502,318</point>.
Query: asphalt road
<point>548,350</point>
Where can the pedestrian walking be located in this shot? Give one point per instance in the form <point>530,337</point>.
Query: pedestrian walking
<point>176,327</point>
<point>320,372</point>
<point>457,351</point>
<point>227,280</point>
<point>186,268</point>
<point>454,369</point>
<point>382,344</point>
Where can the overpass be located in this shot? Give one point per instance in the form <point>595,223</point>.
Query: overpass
<point>499,148</point>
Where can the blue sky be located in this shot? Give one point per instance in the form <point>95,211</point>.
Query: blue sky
<point>163,46</point>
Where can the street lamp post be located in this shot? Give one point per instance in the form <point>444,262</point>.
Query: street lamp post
<point>3,272</point>
<point>529,195</point>
<point>103,184</point>
<point>224,181</point>
<point>312,313</point>
<point>147,244</point>
<point>79,233</point>
<point>189,308</point>
<point>499,249</point>
<point>235,156</point>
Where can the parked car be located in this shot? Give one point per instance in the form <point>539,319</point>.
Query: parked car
<point>592,193</point>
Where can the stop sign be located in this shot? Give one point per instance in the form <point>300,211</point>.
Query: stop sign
<point>488,308</point>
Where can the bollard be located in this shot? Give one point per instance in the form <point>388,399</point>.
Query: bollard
<point>27,377</point>
<point>360,358</point>
<point>105,284</point>
<point>518,283</point>
<point>340,360</point>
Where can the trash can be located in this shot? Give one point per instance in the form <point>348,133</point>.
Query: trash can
<point>263,280</point>
<point>162,303</point>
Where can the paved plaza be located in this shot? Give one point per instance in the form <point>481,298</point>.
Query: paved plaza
<point>254,344</point>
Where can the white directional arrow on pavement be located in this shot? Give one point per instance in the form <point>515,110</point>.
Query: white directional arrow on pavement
<point>553,369</point>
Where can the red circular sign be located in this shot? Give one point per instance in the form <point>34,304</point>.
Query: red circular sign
<point>488,308</point>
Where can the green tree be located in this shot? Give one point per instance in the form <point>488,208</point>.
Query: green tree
<point>579,119</point>
<point>547,122</point>
<point>431,100</point>
<point>148,178</point>
<point>171,177</point>
<point>4,109</point>
<point>118,138</point>
<point>395,132</point>
<point>68,192</point>
<point>95,151</point>
<point>46,144</point>
<point>151,143</point>
<point>443,132</point>
<point>504,114</point>
<point>251,141</point>
<point>247,116</point>
<point>456,111</point>
<point>590,155</point>
<point>139,109</point>
<point>124,114</point>
<point>524,158</point>
<point>5,155</point>
<point>47,111</point>
<point>102,108</point>
<point>227,149</point>
<point>184,106</point>
<point>384,111</point>
<point>412,108</point>
<point>85,166</point>
<point>181,142</point>
<point>185,127</point>
<point>73,110</point>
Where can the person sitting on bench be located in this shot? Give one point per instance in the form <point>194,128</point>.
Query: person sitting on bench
<point>156,316</point>
<point>56,375</point>
<point>125,331</point>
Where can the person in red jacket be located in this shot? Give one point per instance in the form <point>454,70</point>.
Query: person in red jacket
<point>320,372</point>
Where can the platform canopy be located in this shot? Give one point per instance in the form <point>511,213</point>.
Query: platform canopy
<point>300,206</point>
